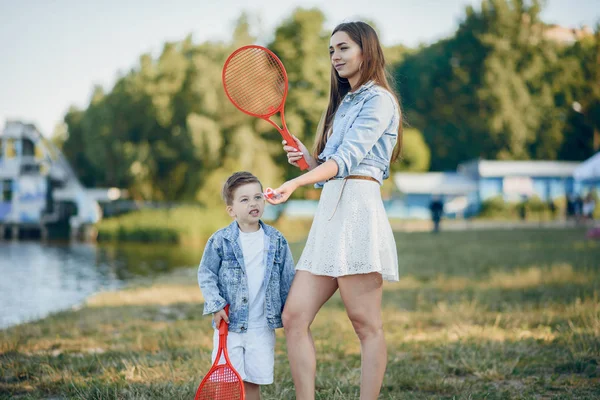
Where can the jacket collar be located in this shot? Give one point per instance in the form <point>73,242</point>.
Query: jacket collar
<point>232,232</point>
<point>360,90</point>
<point>364,87</point>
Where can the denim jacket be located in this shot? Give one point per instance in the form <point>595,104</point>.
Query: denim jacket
<point>222,276</point>
<point>365,131</point>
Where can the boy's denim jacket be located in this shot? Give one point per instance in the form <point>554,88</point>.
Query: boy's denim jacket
<point>222,276</point>
<point>365,131</point>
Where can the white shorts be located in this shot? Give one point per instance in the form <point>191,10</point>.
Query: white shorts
<point>252,354</point>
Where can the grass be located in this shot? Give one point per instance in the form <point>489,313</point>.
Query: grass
<point>477,315</point>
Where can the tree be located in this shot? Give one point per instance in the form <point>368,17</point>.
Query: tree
<point>496,89</point>
<point>302,43</point>
<point>416,155</point>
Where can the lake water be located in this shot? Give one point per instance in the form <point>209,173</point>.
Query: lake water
<point>37,279</point>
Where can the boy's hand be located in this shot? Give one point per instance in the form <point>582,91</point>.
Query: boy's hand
<point>218,316</point>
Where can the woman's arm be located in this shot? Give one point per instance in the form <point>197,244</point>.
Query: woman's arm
<point>321,173</point>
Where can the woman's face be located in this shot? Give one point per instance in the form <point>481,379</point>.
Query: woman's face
<point>346,56</point>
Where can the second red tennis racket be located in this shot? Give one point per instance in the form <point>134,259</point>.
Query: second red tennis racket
<point>222,382</point>
<point>256,83</point>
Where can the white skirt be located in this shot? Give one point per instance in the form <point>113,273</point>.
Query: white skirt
<point>350,234</point>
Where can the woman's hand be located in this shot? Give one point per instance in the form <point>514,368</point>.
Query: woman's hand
<point>283,192</point>
<point>295,153</point>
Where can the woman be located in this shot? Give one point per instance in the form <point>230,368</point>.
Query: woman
<point>351,239</point>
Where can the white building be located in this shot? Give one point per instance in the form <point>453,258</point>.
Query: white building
<point>38,188</point>
<point>479,180</point>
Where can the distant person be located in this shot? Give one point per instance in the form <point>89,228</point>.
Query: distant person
<point>570,208</point>
<point>552,208</point>
<point>437,211</point>
<point>523,208</point>
<point>578,207</point>
<point>588,207</point>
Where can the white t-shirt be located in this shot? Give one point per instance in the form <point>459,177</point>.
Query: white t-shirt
<point>253,248</point>
<point>588,207</point>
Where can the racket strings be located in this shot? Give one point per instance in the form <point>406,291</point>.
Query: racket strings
<point>254,60</point>
<point>255,81</point>
<point>255,96</point>
<point>221,384</point>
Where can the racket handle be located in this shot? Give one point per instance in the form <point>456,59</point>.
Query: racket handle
<point>223,327</point>
<point>288,138</point>
<point>302,164</point>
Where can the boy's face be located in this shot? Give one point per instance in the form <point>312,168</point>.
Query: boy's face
<point>248,204</point>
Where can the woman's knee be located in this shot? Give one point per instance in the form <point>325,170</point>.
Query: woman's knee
<point>287,318</point>
<point>294,318</point>
<point>366,326</point>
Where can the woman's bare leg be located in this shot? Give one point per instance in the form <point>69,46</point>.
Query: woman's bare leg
<point>307,295</point>
<point>361,295</point>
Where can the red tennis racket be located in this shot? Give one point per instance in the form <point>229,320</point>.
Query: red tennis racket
<point>222,382</point>
<point>256,83</point>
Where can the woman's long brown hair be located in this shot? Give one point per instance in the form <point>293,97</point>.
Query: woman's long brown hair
<point>372,69</point>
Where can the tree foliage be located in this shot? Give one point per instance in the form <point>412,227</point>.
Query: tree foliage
<point>497,88</point>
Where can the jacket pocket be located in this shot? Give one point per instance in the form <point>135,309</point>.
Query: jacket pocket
<point>230,275</point>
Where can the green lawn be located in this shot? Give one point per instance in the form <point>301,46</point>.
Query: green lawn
<point>477,315</point>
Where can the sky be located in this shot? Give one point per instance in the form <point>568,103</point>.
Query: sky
<point>53,52</point>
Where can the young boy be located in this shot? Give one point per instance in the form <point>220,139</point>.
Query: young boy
<point>249,266</point>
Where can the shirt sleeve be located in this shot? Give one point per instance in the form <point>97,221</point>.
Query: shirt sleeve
<point>370,124</point>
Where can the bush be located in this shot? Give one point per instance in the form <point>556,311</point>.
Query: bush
<point>535,205</point>
<point>495,207</point>
<point>189,225</point>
